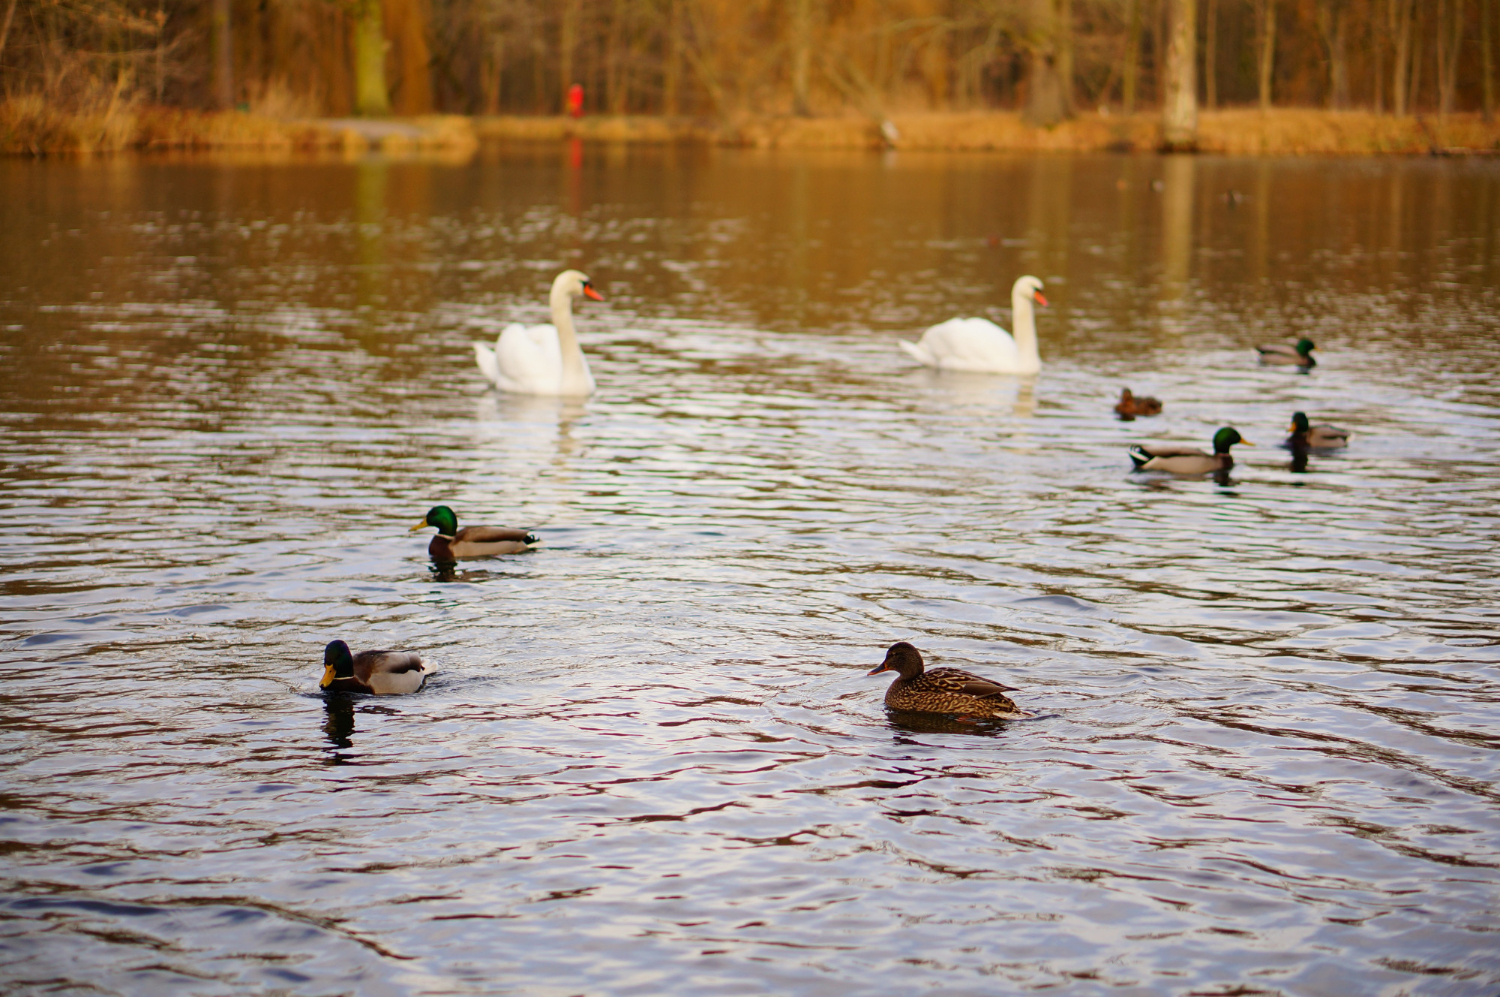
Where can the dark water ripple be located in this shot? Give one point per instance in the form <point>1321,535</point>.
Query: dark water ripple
<point>1264,755</point>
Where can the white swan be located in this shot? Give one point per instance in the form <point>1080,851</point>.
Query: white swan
<point>543,359</point>
<point>979,345</point>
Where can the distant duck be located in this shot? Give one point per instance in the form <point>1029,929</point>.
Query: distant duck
<point>1309,437</point>
<point>979,346</point>
<point>943,690</point>
<point>543,359</point>
<point>1188,460</point>
<point>1129,406</point>
<point>1234,198</point>
<point>384,673</point>
<point>452,543</point>
<point>1299,355</point>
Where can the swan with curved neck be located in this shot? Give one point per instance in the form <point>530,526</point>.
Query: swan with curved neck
<point>543,359</point>
<point>979,345</point>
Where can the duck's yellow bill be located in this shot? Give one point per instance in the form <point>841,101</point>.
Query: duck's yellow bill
<point>1245,443</point>
<point>878,669</point>
<point>328,677</point>
<point>417,527</point>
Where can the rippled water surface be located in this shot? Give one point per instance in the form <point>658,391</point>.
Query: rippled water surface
<point>1264,756</point>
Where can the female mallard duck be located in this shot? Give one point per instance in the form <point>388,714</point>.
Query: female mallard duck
<point>1129,406</point>
<point>942,690</point>
<point>452,543</point>
<point>1188,460</point>
<point>384,673</point>
<point>1299,355</point>
<point>1309,437</point>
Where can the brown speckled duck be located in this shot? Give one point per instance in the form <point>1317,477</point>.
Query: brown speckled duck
<point>942,690</point>
<point>452,543</point>
<point>1129,406</point>
<point>384,673</point>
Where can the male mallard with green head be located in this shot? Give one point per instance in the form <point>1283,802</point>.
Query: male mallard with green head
<point>942,690</point>
<point>1306,436</point>
<point>452,543</point>
<point>1188,460</point>
<point>384,673</point>
<point>1298,355</point>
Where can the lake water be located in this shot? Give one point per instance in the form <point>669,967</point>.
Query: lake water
<point>1264,759</point>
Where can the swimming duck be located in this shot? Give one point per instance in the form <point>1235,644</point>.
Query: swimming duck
<point>384,673</point>
<point>1299,355</point>
<point>1188,460</point>
<point>1129,406</point>
<point>1309,437</point>
<point>471,541</point>
<point>942,690</point>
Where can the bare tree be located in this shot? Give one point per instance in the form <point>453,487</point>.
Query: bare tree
<point>1179,111</point>
<point>1047,98</point>
<point>370,95</point>
<point>1266,64</point>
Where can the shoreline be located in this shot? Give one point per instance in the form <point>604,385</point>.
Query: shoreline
<point>30,128</point>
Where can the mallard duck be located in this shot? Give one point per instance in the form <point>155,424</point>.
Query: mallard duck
<point>384,673</point>
<point>452,543</point>
<point>1129,406</point>
<point>1188,460</point>
<point>1299,355</point>
<point>1308,437</point>
<point>942,690</point>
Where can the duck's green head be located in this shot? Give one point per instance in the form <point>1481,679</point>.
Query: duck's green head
<point>1305,346</point>
<point>1299,422</point>
<point>903,658</point>
<point>1228,437</point>
<point>338,663</point>
<point>443,518</point>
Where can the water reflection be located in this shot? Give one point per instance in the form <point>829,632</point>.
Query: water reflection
<point>1264,700</point>
<point>338,723</point>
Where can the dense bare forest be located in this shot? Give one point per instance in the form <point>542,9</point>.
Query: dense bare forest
<point>718,58</point>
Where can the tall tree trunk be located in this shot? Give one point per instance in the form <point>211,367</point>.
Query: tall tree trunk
<point>1064,54</point>
<point>1448,38</point>
<point>370,96</point>
<point>1333,25</point>
<point>1130,77</point>
<point>1416,64</point>
<point>567,42</point>
<point>1267,61</point>
<point>1377,85</point>
<point>494,72</point>
<point>1400,26</point>
<point>801,55</point>
<point>1046,101</point>
<point>1210,55</point>
<point>406,27</point>
<point>223,55</point>
<point>1179,110</point>
<point>1486,56</point>
<point>671,78</point>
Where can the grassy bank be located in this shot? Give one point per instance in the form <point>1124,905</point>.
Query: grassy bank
<point>1283,131</point>
<point>28,126</point>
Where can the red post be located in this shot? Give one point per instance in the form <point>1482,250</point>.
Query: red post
<point>575,100</point>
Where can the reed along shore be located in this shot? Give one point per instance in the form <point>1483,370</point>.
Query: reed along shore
<point>29,127</point>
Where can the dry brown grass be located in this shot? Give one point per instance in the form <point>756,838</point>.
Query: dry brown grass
<point>30,125</point>
<point>1289,131</point>
<point>33,126</point>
